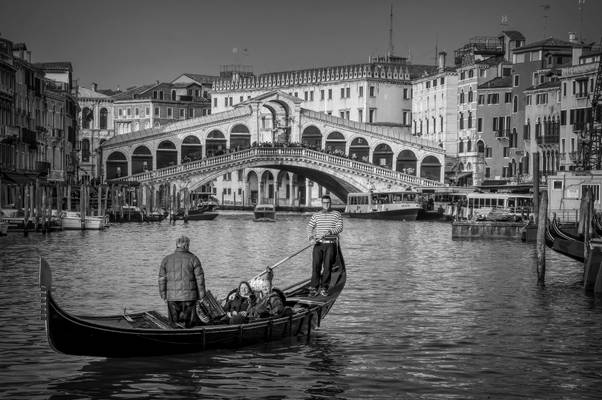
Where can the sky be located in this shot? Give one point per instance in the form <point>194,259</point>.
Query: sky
<point>124,43</point>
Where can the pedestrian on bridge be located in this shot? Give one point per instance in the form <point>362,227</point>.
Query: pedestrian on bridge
<point>323,229</point>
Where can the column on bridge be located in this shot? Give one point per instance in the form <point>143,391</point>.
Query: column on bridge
<point>291,187</point>
<point>307,193</point>
<point>259,184</point>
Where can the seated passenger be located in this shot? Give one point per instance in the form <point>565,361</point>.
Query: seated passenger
<point>238,303</point>
<point>271,306</point>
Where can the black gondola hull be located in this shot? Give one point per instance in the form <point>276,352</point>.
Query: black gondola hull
<point>114,336</point>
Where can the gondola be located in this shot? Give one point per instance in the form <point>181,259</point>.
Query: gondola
<point>149,333</point>
<point>564,243</point>
<point>201,213</point>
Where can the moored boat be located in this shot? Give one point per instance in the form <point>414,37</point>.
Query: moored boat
<point>15,219</point>
<point>148,333</point>
<point>565,243</point>
<point>264,213</point>
<point>72,220</point>
<point>402,206</point>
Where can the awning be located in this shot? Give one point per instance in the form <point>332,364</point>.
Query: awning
<point>18,179</point>
<point>462,175</point>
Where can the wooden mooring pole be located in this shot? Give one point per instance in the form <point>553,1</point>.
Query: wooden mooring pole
<point>541,239</point>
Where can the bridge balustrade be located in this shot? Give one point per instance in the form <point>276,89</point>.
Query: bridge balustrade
<point>254,153</point>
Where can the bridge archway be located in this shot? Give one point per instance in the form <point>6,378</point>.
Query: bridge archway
<point>253,185</point>
<point>279,112</point>
<point>167,154</point>
<point>215,143</point>
<point>142,160</point>
<point>383,156</point>
<point>359,149</point>
<point>283,187</point>
<point>430,168</point>
<point>117,165</point>
<point>312,137</point>
<point>336,142</point>
<point>192,149</point>
<point>240,137</point>
<point>267,187</point>
<point>406,162</point>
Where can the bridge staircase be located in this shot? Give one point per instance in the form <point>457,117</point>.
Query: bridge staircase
<point>358,176</point>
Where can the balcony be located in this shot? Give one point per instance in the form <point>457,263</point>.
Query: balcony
<point>548,139</point>
<point>8,131</point>
<point>502,133</point>
<point>579,127</point>
<point>56,175</point>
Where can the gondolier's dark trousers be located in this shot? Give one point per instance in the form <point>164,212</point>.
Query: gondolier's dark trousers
<point>324,255</point>
<point>183,312</point>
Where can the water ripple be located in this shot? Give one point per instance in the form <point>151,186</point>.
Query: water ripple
<point>422,316</point>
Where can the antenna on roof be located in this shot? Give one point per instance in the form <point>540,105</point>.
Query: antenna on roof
<point>390,52</point>
<point>436,47</point>
<point>545,7</point>
<point>581,4</point>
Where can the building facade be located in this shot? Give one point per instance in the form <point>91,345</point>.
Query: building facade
<point>577,84</point>
<point>158,104</point>
<point>434,107</point>
<point>96,126</point>
<point>378,92</point>
<point>38,129</point>
<point>534,66</point>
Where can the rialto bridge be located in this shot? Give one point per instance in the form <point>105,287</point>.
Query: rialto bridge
<point>278,150</point>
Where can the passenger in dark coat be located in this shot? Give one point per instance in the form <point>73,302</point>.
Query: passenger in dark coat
<point>240,302</point>
<point>181,283</point>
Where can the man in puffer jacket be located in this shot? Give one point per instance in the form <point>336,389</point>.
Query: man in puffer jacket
<point>181,283</point>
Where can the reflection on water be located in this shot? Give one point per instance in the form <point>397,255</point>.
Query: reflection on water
<point>266,371</point>
<point>422,316</point>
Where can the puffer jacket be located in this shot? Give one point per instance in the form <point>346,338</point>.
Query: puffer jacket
<point>181,277</point>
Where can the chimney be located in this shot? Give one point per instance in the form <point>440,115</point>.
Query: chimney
<point>442,55</point>
<point>572,37</point>
<point>95,86</point>
<point>29,56</point>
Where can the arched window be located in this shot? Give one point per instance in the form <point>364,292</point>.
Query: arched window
<point>104,116</point>
<point>87,117</point>
<point>85,150</point>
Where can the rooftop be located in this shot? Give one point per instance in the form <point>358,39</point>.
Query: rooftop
<point>514,35</point>
<point>83,92</point>
<point>498,82</point>
<point>202,78</point>
<point>54,66</point>
<point>549,42</point>
<point>546,85</point>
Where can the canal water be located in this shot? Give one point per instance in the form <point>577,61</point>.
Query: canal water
<point>422,316</point>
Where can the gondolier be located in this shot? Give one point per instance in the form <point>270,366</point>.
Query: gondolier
<point>323,229</point>
<point>181,283</point>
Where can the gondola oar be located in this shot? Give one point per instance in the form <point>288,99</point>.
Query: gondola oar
<point>270,268</point>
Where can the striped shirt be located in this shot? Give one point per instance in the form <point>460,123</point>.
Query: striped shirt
<point>325,223</point>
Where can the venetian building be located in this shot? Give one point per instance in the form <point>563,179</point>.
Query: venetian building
<point>154,105</point>
<point>434,107</point>
<point>96,125</point>
<point>38,131</point>
<point>480,60</point>
<point>536,68</point>
<point>577,83</point>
